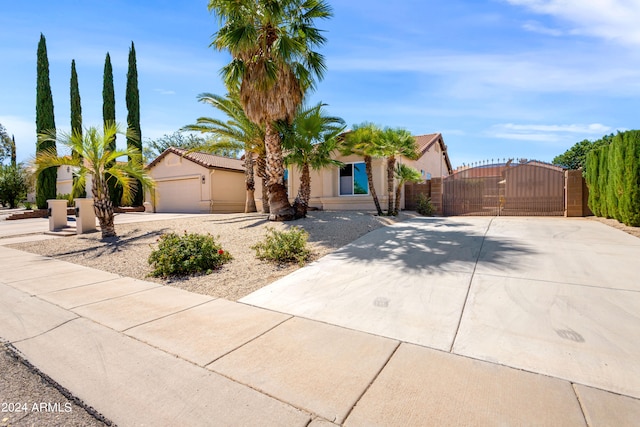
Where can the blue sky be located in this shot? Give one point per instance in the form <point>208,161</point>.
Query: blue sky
<point>498,78</point>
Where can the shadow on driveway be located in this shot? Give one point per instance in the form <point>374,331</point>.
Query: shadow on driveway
<point>432,243</point>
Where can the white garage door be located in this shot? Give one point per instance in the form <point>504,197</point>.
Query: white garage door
<point>178,196</point>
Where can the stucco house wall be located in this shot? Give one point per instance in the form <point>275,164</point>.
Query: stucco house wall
<point>196,183</point>
<point>325,184</point>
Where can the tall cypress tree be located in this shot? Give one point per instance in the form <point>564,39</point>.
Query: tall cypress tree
<point>45,121</point>
<point>76,108</point>
<point>109,117</point>
<point>76,111</point>
<point>133,115</point>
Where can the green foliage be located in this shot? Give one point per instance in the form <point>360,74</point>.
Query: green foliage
<point>591,177</point>
<point>613,178</point>
<point>45,122</point>
<point>133,115</point>
<point>13,185</point>
<point>154,147</point>
<point>109,118</point>
<point>629,202</point>
<point>7,146</point>
<point>27,205</point>
<point>188,254</point>
<point>76,107</point>
<point>284,246</point>
<point>424,205</point>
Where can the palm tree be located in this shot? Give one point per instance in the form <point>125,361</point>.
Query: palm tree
<point>236,129</point>
<point>273,62</point>
<point>98,159</point>
<point>403,174</point>
<point>309,143</point>
<point>362,141</point>
<point>395,142</point>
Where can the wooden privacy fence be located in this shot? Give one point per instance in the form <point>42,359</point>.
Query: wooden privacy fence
<point>523,189</point>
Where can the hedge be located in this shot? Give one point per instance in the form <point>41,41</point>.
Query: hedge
<point>613,178</point>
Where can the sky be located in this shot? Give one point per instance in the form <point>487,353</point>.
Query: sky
<point>498,78</point>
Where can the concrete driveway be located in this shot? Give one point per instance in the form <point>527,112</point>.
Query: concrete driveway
<point>554,296</point>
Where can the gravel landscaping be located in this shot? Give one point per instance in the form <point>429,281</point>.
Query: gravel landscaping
<point>127,254</point>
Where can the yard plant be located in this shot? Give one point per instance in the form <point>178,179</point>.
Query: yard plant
<point>284,246</point>
<point>188,254</point>
<point>96,158</point>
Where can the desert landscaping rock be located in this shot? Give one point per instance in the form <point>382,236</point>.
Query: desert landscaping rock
<point>127,255</point>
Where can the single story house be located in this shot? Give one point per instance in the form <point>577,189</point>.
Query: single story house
<point>347,188</point>
<point>196,183</point>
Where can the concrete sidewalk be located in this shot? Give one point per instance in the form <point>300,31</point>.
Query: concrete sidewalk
<point>142,353</point>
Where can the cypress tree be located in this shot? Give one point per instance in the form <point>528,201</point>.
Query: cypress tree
<point>76,108</point>
<point>133,115</point>
<point>592,180</point>
<point>109,118</point>
<point>615,166</point>
<point>603,176</point>
<point>45,121</point>
<point>629,203</point>
<point>76,111</point>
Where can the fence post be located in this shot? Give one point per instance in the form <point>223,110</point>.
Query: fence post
<point>573,197</point>
<point>57,214</point>
<point>436,196</point>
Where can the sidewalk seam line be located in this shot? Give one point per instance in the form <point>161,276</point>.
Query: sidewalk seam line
<point>162,317</point>
<point>47,331</point>
<point>560,283</point>
<point>114,297</point>
<point>375,377</point>
<point>251,340</point>
<point>575,393</point>
<point>473,273</point>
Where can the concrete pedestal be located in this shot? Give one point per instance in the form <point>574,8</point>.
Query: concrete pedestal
<point>85,216</point>
<point>57,214</point>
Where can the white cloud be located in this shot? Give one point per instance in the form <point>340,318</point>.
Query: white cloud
<point>537,27</point>
<point>615,20</point>
<point>547,133</point>
<point>595,128</point>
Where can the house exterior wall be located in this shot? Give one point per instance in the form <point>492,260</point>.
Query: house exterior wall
<point>325,191</point>
<point>185,186</point>
<point>64,181</point>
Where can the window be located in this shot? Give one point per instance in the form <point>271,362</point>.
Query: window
<point>353,179</point>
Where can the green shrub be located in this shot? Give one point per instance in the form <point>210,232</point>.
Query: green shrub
<point>284,246</point>
<point>424,206</point>
<point>28,205</point>
<point>189,254</point>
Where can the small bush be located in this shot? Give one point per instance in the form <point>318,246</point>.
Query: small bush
<point>28,205</point>
<point>284,246</point>
<point>189,254</point>
<point>424,205</point>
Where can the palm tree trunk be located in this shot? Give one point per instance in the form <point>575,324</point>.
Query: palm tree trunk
<point>396,210</point>
<point>372,190</point>
<point>279,205</point>
<point>261,163</point>
<point>250,203</point>
<point>103,208</point>
<point>391,164</point>
<point>301,204</point>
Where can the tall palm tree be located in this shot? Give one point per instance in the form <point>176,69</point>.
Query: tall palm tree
<point>309,143</point>
<point>273,62</point>
<point>362,141</point>
<point>395,142</point>
<point>98,159</point>
<point>403,174</point>
<point>236,129</point>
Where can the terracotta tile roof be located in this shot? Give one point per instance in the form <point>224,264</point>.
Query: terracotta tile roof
<point>209,161</point>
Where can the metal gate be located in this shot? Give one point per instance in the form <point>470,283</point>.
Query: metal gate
<point>521,189</point>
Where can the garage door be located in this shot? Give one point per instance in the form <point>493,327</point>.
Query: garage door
<point>178,196</point>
